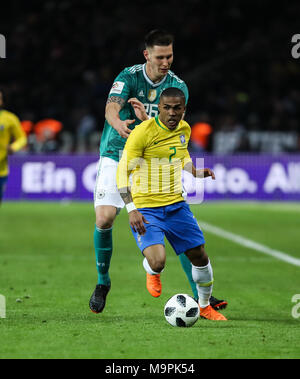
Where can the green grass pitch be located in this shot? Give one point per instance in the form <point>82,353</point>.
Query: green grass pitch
<point>47,274</point>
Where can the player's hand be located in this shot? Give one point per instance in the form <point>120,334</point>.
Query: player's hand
<point>208,172</point>
<point>122,128</point>
<point>137,221</point>
<point>139,109</point>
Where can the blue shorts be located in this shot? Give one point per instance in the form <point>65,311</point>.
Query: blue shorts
<point>176,222</point>
<point>3,180</point>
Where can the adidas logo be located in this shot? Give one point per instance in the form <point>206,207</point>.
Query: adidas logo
<point>141,93</point>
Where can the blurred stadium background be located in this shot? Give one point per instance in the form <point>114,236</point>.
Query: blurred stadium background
<point>62,57</point>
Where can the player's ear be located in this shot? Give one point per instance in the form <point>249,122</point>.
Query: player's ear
<point>184,111</point>
<point>146,54</point>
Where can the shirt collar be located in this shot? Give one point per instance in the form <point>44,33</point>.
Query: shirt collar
<point>163,126</point>
<point>149,80</point>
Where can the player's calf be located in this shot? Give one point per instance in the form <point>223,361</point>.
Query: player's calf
<point>154,263</point>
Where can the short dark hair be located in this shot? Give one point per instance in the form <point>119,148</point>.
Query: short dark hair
<point>172,92</point>
<point>158,37</point>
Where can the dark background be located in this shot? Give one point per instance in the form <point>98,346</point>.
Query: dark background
<point>235,56</point>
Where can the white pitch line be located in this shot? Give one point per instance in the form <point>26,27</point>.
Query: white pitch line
<point>249,243</point>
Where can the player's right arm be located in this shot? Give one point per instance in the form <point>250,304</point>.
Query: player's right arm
<point>136,220</point>
<point>112,114</point>
<point>122,91</point>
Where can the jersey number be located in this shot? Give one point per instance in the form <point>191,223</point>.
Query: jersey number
<point>174,153</point>
<point>151,110</point>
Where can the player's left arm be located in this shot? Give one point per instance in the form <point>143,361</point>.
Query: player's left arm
<point>133,152</point>
<point>19,136</point>
<point>197,173</point>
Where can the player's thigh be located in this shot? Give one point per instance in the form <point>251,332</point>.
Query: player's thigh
<point>106,191</point>
<point>156,256</point>
<point>182,229</point>
<point>154,232</point>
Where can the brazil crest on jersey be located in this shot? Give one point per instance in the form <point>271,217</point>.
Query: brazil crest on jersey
<point>134,82</point>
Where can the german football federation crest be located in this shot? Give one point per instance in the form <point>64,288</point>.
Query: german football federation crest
<point>182,139</point>
<point>152,94</point>
<point>100,195</point>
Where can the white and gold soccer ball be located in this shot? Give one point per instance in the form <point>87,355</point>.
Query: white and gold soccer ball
<point>181,310</point>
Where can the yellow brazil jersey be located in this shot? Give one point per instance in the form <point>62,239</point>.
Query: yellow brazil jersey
<point>11,133</point>
<point>155,156</point>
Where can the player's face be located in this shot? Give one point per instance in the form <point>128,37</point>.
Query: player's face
<point>159,60</point>
<point>171,110</point>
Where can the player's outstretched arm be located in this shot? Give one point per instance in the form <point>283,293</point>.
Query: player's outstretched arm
<point>113,106</point>
<point>205,173</point>
<point>200,173</point>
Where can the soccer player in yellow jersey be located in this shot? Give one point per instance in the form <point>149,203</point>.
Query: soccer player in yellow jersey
<point>12,139</point>
<point>155,154</point>
<point>133,98</point>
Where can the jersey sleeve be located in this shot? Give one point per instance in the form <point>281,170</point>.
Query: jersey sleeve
<point>122,85</point>
<point>132,154</point>
<point>19,136</point>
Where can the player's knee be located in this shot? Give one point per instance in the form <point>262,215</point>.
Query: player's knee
<point>198,256</point>
<point>105,217</point>
<point>104,223</point>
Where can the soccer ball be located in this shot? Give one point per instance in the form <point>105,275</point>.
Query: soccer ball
<point>181,310</point>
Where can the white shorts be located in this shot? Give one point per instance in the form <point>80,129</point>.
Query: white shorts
<point>106,190</point>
